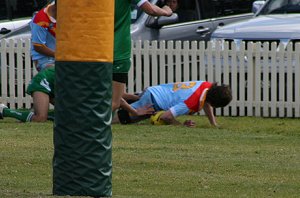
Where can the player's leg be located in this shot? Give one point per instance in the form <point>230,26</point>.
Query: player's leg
<point>120,78</point>
<point>118,90</point>
<point>22,115</point>
<point>124,117</point>
<point>145,100</point>
<point>41,106</point>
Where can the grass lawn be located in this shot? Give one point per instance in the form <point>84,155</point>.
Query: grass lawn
<point>246,157</point>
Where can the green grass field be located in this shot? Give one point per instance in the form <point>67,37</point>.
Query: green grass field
<point>246,157</point>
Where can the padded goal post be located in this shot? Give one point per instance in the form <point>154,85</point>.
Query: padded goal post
<point>82,162</point>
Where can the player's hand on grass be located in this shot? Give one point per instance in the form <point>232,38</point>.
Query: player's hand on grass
<point>189,123</point>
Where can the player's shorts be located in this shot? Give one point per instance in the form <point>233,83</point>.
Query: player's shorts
<point>120,70</point>
<point>44,63</point>
<point>145,100</point>
<point>40,83</point>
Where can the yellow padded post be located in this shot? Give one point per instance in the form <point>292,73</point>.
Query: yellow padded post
<point>85,31</point>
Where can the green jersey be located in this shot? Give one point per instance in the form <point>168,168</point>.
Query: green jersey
<point>122,37</point>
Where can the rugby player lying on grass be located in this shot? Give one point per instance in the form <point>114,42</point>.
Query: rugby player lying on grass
<point>177,99</point>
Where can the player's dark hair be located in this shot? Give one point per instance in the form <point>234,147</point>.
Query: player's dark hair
<point>124,117</point>
<point>219,95</point>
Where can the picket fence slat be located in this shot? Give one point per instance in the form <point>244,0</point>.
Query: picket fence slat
<point>233,80</point>
<point>12,78</point>
<point>218,69</point>
<point>4,66</point>
<point>28,70</point>
<point>154,64</point>
<point>186,61</point>
<point>146,66</point>
<point>297,80</point>
<point>138,68</point>
<point>178,62</point>
<point>250,79</point>
<point>162,61</point>
<point>130,84</point>
<point>263,76</point>
<point>194,63</point>
<point>273,79</point>
<point>240,87</point>
<point>265,83</point>
<point>257,81</point>
<point>289,80</point>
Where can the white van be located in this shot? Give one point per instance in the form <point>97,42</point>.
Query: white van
<point>17,13</point>
<point>277,21</point>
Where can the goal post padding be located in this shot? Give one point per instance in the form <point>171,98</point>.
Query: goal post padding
<point>82,162</point>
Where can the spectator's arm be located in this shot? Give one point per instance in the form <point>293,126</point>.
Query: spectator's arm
<point>154,10</point>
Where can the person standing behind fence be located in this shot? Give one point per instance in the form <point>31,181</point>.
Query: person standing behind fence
<point>43,26</point>
<point>122,42</point>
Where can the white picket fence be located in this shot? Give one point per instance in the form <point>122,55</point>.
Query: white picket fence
<point>264,79</point>
<point>16,72</point>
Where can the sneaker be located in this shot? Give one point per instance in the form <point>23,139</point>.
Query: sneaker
<point>2,106</point>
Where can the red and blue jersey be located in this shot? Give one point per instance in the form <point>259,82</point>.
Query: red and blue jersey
<point>43,29</point>
<point>181,98</point>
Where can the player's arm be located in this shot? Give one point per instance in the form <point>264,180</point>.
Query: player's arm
<point>154,10</point>
<point>175,111</point>
<point>146,110</point>
<point>43,49</point>
<point>127,96</point>
<point>169,118</point>
<point>208,109</point>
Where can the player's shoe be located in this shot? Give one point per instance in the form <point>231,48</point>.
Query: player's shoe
<point>2,106</point>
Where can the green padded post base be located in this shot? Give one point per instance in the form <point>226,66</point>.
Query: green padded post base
<point>82,162</point>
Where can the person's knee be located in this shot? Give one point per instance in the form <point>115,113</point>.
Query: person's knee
<point>39,118</point>
<point>115,105</point>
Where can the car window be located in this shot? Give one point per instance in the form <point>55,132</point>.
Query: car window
<point>3,10</point>
<point>135,13</point>
<point>221,8</point>
<point>187,10</point>
<point>25,8</point>
<point>281,7</point>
